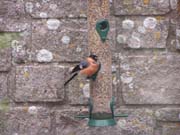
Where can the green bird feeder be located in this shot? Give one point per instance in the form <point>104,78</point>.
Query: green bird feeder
<point>102,27</point>
<point>101,119</point>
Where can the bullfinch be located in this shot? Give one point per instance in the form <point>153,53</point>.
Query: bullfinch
<point>88,67</point>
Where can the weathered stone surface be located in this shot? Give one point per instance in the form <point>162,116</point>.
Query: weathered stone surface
<point>111,37</point>
<point>171,130</point>
<point>66,124</point>
<point>12,16</point>
<point>144,7</point>
<point>14,40</point>
<point>39,83</point>
<point>65,39</point>
<point>5,59</point>
<point>19,49</point>
<point>3,86</point>
<point>150,79</point>
<point>168,114</point>
<point>12,8</point>
<point>56,8</point>
<point>139,122</point>
<point>173,4</point>
<point>14,25</point>
<point>142,32</point>
<point>171,40</point>
<point>28,120</point>
<point>3,120</point>
<point>177,33</point>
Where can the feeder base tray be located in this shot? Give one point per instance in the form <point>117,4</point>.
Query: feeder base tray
<point>101,123</point>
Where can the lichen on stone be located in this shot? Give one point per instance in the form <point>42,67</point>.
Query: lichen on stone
<point>150,22</point>
<point>44,56</point>
<point>65,39</point>
<point>53,24</point>
<point>128,24</point>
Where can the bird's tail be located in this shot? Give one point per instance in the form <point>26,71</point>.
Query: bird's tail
<point>70,79</point>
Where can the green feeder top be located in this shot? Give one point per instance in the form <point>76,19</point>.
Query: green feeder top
<point>102,28</point>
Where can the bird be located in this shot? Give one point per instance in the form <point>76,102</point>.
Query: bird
<point>88,67</point>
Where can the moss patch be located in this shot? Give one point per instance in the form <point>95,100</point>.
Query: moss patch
<point>4,105</point>
<point>6,39</point>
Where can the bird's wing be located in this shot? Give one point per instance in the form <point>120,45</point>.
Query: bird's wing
<point>75,69</point>
<point>82,65</point>
<point>70,79</point>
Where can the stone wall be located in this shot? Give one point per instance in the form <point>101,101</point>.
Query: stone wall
<point>41,40</point>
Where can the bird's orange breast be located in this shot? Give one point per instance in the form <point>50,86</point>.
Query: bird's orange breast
<point>91,69</point>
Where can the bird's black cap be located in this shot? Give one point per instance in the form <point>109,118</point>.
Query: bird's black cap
<point>94,57</point>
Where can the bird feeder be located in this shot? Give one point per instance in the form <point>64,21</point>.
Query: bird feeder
<point>101,103</point>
